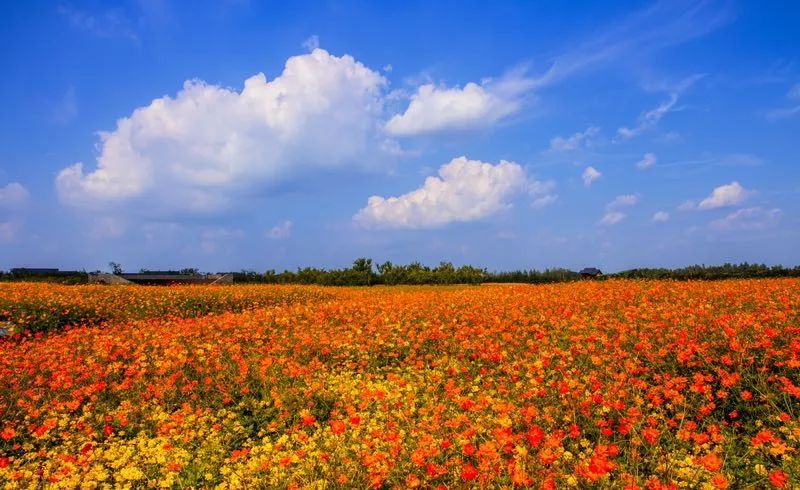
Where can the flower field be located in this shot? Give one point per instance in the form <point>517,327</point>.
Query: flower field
<point>610,384</point>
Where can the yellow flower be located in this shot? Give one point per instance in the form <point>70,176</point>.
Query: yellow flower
<point>131,473</point>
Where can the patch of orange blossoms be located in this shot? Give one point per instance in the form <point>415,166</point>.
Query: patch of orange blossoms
<point>612,384</point>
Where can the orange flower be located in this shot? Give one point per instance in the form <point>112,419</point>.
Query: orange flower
<point>337,426</point>
<point>719,481</point>
<point>7,434</point>
<point>711,462</point>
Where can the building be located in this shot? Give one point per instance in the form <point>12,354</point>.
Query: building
<point>39,271</point>
<point>160,278</point>
<point>590,272</point>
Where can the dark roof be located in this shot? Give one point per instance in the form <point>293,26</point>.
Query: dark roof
<point>591,271</point>
<point>170,278</point>
<point>40,271</point>
<point>160,277</point>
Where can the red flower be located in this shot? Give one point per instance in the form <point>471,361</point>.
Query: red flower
<point>469,449</point>
<point>534,436</point>
<point>650,435</point>
<point>778,479</point>
<point>469,472</point>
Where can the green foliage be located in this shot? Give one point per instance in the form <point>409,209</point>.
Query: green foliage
<point>703,272</point>
<point>534,276</point>
<point>364,272</point>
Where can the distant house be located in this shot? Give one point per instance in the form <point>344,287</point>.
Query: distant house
<point>40,271</point>
<point>590,272</point>
<point>160,278</point>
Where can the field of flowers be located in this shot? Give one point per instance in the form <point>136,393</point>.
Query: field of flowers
<point>612,384</point>
<point>40,307</point>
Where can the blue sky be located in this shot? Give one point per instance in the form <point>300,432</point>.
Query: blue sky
<point>236,134</point>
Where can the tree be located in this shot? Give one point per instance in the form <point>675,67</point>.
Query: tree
<point>363,270</point>
<point>116,268</point>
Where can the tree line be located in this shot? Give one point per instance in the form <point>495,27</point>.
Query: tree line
<point>364,272</point>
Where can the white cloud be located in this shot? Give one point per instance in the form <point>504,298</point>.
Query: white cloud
<point>575,141</point>
<point>622,201</point>
<point>725,195</point>
<point>13,195</point>
<point>661,216</point>
<point>435,109</point>
<point>687,205</point>
<point>203,149</point>
<point>748,219</point>
<point>283,230</point>
<point>647,161</point>
<point>650,119</point>
<point>544,201</point>
<point>589,175</point>
<point>311,43</point>
<point>465,190</point>
<point>612,218</point>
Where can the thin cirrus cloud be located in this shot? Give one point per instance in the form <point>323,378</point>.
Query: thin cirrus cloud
<point>112,23</point>
<point>195,150</point>
<point>465,190</point>
<point>662,24</point>
<point>649,119</point>
<point>436,109</point>
<point>787,112</point>
<point>581,139</point>
<point>612,218</point>
<point>755,218</point>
